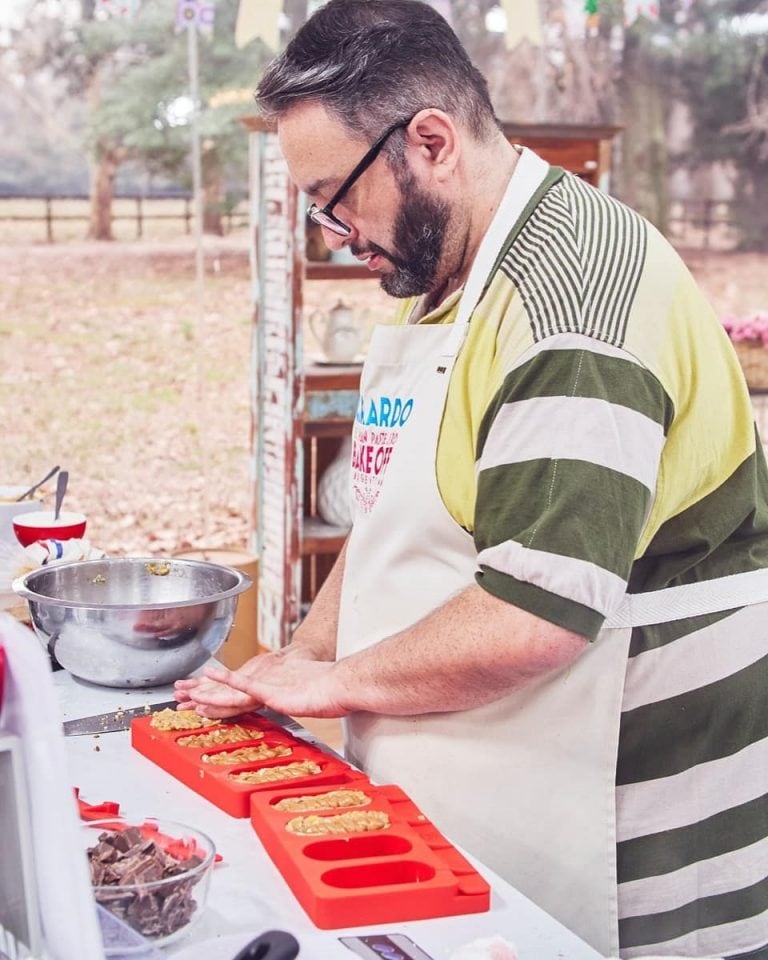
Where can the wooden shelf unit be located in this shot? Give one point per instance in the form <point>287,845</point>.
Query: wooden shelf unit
<point>330,397</point>
<point>582,149</point>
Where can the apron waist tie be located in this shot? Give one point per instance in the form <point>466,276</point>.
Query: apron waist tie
<point>691,599</point>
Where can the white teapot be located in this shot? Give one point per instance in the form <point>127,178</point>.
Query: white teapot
<point>339,332</point>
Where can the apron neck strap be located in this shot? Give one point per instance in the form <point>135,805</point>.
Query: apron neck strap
<point>528,175</point>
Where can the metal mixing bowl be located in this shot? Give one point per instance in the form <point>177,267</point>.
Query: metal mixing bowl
<point>133,622</point>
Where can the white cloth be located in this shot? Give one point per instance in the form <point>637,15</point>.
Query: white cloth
<point>17,561</point>
<point>30,712</point>
<point>486,948</point>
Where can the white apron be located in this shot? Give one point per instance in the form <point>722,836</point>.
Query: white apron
<point>526,784</point>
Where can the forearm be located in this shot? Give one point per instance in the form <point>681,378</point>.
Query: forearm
<point>472,650</point>
<point>315,636</point>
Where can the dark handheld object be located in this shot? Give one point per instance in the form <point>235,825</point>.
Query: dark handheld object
<point>272,945</point>
<point>28,493</point>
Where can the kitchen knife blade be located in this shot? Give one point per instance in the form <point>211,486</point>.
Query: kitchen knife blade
<point>118,719</point>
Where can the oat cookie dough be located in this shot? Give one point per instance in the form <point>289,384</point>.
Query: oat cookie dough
<point>285,771</point>
<point>179,720</point>
<point>233,733</point>
<point>324,801</point>
<point>247,754</point>
<point>354,821</point>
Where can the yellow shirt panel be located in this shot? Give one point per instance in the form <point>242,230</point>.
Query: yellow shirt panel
<point>675,333</point>
<point>498,332</point>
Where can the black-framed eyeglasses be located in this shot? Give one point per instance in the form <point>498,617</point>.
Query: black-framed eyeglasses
<point>323,215</point>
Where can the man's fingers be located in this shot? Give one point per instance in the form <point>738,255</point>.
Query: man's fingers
<point>216,713</point>
<point>233,679</point>
<point>222,696</point>
<point>218,674</point>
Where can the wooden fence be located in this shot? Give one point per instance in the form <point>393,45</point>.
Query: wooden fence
<point>703,223</point>
<point>48,211</point>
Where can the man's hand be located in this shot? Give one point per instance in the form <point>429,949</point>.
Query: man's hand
<point>267,678</point>
<point>290,681</point>
<point>212,699</point>
<point>293,685</point>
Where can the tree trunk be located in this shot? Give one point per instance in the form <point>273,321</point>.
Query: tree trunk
<point>103,170</point>
<point>213,191</point>
<point>642,175</point>
<point>752,209</point>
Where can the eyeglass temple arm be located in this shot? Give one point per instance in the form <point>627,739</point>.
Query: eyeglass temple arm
<point>363,164</point>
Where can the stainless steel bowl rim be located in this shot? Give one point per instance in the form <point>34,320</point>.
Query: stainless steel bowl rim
<point>242,583</point>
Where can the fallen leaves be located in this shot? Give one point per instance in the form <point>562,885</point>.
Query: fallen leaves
<point>110,369</point>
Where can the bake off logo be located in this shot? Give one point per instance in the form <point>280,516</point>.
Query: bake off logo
<point>377,426</point>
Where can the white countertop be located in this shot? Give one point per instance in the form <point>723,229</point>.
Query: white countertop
<point>247,894</point>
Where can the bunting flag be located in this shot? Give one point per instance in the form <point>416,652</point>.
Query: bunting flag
<point>640,8</point>
<point>197,13</point>
<point>259,19</point>
<point>572,18</point>
<point>523,22</point>
<point>120,8</point>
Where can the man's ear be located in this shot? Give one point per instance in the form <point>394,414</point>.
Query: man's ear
<point>435,143</point>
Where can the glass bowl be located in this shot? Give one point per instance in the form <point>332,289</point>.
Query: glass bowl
<point>167,867</point>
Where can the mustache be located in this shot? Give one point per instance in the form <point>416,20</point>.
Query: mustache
<point>374,248</point>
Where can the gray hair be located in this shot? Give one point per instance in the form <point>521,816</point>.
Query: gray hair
<point>372,63</point>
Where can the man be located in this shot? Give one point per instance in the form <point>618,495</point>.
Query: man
<point>548,622</point>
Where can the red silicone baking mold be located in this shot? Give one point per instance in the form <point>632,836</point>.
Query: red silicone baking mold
<point>214,781</point>
<point>407,871</point>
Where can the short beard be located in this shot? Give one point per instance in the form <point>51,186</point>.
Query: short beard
<point>419,239</point>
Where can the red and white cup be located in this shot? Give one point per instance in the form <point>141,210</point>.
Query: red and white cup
<point>41,525</point>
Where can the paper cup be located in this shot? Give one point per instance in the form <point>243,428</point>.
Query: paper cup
<point>9,508</point>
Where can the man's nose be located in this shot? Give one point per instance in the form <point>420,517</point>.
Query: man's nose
<point>334,241</point>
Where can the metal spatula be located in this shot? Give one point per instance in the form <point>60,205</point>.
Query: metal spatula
<point>28,493</point>
<point>61,489</point>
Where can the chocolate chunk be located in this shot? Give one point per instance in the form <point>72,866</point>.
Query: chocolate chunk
<point>104,851</point>
<point>125,867</point>
<point>140,869</point>
<point>123,840</point>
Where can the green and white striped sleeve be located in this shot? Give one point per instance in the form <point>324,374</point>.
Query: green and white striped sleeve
<point>567,461</point>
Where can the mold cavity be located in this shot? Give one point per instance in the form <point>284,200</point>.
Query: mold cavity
<point>357,847</point>
<point>379,874</point>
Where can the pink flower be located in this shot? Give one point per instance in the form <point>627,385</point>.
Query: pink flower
<point>754,326</point>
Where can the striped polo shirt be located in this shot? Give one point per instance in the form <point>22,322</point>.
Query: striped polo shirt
<point>598,438</point>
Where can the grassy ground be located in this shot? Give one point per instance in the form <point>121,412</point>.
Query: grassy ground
<point>109,369</point>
